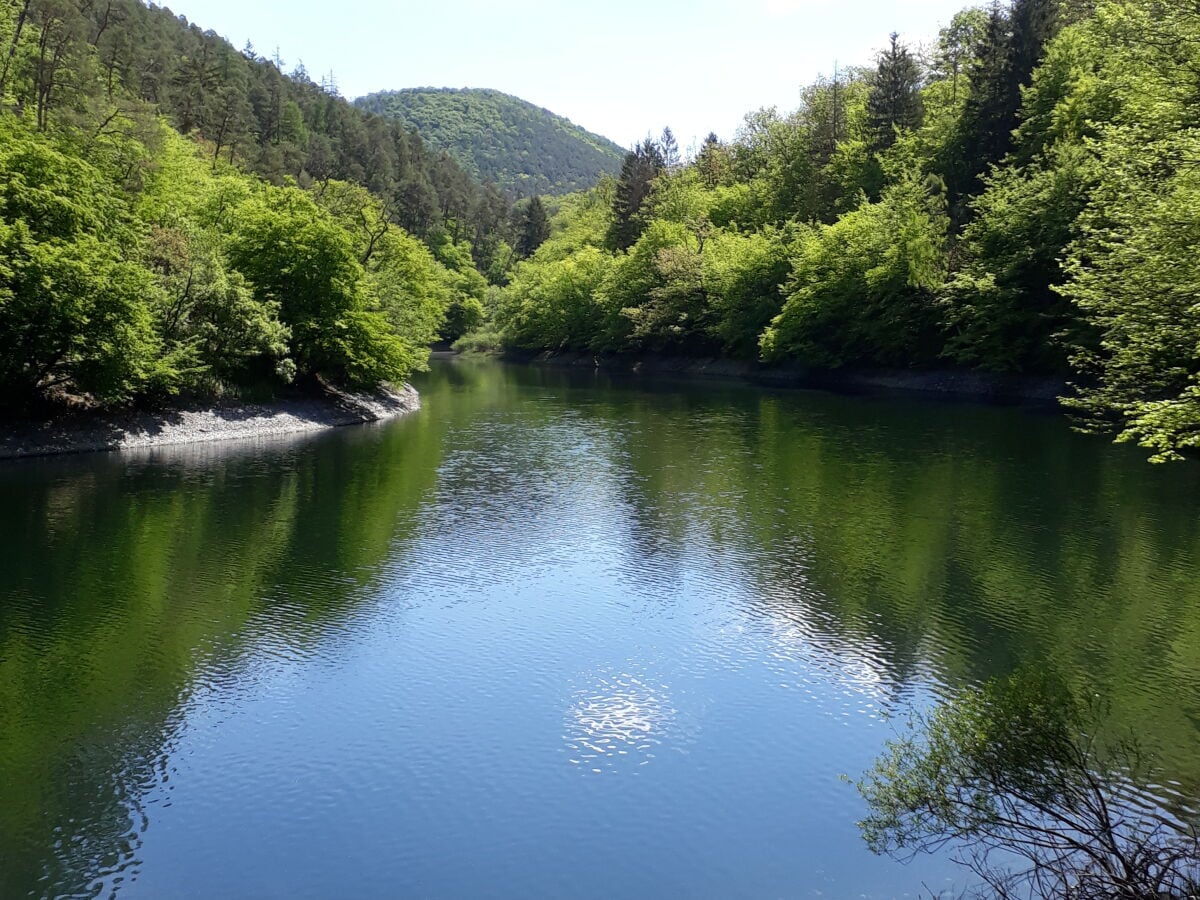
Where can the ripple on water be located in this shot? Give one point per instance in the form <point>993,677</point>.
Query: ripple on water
<point>617,723</point>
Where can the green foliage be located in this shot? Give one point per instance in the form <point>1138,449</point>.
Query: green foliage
<point>943,780</point>
<point>583,220</point>
<point>92,64</point>
<point>956,46</point>
<point>467,286</point>
<point>554,304</point>
<point>734,204</point>
<point>296,257</point>
<point>1133,269</point>
<point>502,139</point>
<point>1139,286</point>
<point>652,295</point>
<point>213,327</point>
<point>742,274</point>
<point>72,310</point>
<point>535,227</point>
<point>1002,306</point>
<point>141,261</point>
<point>989,115</point>
<point>484,340</point>
<point>1062,242</point>
<point>403,279</point>
<point>713,162</point>
<point>861,290</point>
<point>641,168</point>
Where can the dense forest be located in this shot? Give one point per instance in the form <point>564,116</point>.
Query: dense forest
<point>180,217</point>
<point>1022,198</point>
<point>502,139</point>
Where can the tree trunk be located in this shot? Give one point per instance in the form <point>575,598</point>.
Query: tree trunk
<point>12,50</point>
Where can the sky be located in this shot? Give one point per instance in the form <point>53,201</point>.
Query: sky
<point>620,68</point>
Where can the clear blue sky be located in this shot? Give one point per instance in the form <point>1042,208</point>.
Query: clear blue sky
<point>622,68</point>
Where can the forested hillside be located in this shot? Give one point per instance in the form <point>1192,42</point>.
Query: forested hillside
<point>1026,199</point>
<point>502,139</point>
<point>177,216</point>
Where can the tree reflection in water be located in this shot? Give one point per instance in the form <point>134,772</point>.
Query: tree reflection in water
<point>1023,779</point>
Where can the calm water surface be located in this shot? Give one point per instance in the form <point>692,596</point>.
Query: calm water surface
<point>558,635</point>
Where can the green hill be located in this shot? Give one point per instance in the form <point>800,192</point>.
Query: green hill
<point>501,138</point>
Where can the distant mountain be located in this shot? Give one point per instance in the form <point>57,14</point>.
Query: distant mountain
<point>501,138</point>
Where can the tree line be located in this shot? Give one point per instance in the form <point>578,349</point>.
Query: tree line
<point>1020,198</point>
<point>178,217</point>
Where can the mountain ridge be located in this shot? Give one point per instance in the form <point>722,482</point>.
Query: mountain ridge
<point>525,148</point>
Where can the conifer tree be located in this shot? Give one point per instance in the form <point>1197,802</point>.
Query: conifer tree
<point>642,166</point>
<point>1011,47</point>
<point>895,98</point>
<point>1034,23</point>
<point>535,228</point>
<point>990,114</point>
<point>670,149</point>
<point>712,162</point>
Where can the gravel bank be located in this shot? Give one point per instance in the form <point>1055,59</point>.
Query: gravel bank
<point>122,431</point>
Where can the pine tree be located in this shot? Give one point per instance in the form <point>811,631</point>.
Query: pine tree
<point>1034,23</point>
<point>825,115</point>
<point>1011,47</point>
<point>895,98</point>
<point>535,228</point>
<point>990,113</point>
<point>712,162</point>
<point>642,166</point>
<point>670,149</point>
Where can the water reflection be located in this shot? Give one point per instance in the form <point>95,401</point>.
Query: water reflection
<point>133,582</point>
<point>950,542</point>
<point>748,582</point>
<point>1022,780</point>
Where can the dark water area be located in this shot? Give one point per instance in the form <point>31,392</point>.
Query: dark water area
<point>560,634</point>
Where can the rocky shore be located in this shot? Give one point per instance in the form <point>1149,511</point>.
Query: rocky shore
<point>82,433</point>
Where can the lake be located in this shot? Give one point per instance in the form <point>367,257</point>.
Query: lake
<point>560,634</point>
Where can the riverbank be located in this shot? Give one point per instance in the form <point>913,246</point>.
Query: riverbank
<point>983,387</point>
<point>90,432</point>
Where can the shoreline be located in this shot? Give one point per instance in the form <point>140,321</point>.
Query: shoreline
<point>982,387</point>
<point>226,421</point>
